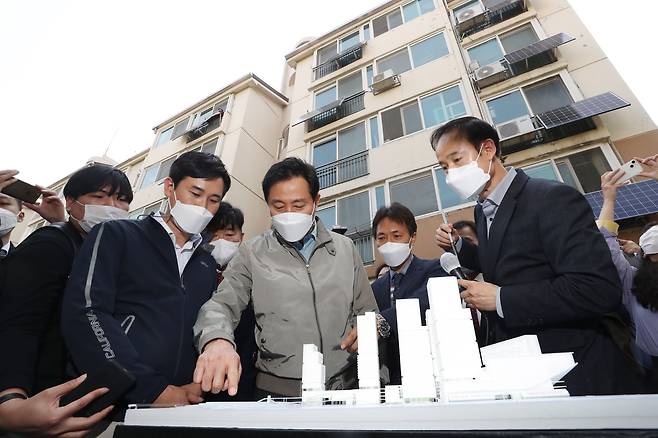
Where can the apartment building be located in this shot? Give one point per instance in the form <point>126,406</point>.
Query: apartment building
<point>240,123</point>
<point>365,98</point>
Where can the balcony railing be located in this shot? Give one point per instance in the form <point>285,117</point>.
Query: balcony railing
<point>542,135</point>
<point>210,124</point>
<point>342,170</point>
<point>361,235</point>
<point>334,111</point>
<point>496,12</point>
<point>340,60</point>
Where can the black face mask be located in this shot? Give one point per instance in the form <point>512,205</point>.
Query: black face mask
<point>645,285</point>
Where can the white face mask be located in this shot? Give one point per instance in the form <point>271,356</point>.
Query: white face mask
<point>469,180</point>
<point>293,226</point>
<point>8,221</point>
<point>395,254</point>
<point>224,250</point>
<point>190,218</point>
<point>97,214</point>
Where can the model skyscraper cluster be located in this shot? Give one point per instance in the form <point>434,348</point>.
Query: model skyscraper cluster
<point>441,361</point>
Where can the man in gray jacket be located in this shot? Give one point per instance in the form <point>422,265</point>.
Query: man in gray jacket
<point>307,286</point>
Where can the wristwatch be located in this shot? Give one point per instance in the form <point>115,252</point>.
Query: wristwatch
<point>11,396</point>
<point>383,328</point>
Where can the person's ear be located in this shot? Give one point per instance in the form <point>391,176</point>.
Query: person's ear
<point>413,239</point>
<point>168,187</point>
<point>489,149</point>
<point>69,203</point>
<point>317,200</point>
<point>21,216</point>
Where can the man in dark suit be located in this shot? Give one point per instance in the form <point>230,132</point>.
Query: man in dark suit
<point>394,229</point>
<point>547,270</point>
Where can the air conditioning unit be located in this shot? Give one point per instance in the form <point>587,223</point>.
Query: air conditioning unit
<point>469,17</point>
<point>490,74</point>
<point>384,81</point>
<point>515,128</point>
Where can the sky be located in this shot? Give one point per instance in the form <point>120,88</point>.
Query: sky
<point>78,78</point>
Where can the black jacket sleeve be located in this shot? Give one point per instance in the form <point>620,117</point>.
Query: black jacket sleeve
<point>468,256</point>
<point>34,279</point>
<point>90,330</point>
<point>585,284</point>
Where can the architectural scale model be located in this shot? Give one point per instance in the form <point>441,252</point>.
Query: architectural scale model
<point>444,386</point>
<point>441,361</point>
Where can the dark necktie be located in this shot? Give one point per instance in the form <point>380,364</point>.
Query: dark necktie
<point>395,285</point>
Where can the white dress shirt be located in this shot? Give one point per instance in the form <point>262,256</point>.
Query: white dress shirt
<point>183,253</point>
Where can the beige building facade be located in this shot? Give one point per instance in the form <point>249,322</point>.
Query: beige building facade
<point>240,123</point>
<point>365,98</point>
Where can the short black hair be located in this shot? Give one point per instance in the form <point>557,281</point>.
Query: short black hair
<point>290,168</point>
<point>196,164</point>
<point>397,213</point>
<point>226,218</point>
<point>94,177</point>
<point>472,129</point>
<point>464,224</point>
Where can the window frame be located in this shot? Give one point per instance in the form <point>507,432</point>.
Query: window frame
<point>337,41</point>
<point>400,8</point>
<point>560,75</point>
<point>533,25</point>
<point>442,31</point>
<point>605,149</point>
<point>418,98</point>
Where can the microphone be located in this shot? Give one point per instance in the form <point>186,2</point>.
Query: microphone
<point>450,264</point>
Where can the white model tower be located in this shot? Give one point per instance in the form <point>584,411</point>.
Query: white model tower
<point>415,354</point>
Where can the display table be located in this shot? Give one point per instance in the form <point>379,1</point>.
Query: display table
<point>635,415</point>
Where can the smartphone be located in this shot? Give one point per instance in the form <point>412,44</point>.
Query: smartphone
<point>112,376</point>
<point>630,169</point>
<point>23,191</point>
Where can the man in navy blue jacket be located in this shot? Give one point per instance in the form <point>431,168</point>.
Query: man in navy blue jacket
<point>394,229</point>
<point>547,270</point>
<point>136,287</point>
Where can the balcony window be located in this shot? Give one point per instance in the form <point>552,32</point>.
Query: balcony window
<point>374,132</point>
<point>486,53</point>
<point>508,107</point>
<point>581,170</point>
<point>428,50</point>
<point>164,136</point>
<point>547,95</point>
<point>180,128</point>
<point>326,53</point>
<point>350,41</point>
<point>443,106</point>
<point>353,212</point>
<point>344,87</point>
<point>416,8</point>
<point>398,62</point>
<point>150,175</point>
<point>416,193</point>
<point>414,55</point>
<point>399,16</point>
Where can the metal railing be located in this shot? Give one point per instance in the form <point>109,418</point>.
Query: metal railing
<point>342,170</point>
<point>350,105</point>
<point>494,16</point>
<point>213,122</point>
<point>341,60</point>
